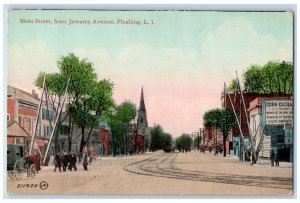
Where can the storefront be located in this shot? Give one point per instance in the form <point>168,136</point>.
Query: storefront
<point>277,120</point>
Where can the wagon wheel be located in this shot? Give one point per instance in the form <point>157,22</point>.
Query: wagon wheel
<point>18,169</point>
<point>32,170</point>
<point>18,175</point>
<point>19,166</point>
<point>11,174</point>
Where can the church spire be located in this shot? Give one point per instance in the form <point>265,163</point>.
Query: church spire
<point>142,115</point>
<point>142,103</point>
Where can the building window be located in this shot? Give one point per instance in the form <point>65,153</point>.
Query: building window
<point>47,115</point>
<point>8,117</point>
<point>45,132</point>
<point>49,130</point>
<point>64,130</point>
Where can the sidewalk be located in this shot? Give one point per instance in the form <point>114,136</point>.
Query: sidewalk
<point>261,162</point>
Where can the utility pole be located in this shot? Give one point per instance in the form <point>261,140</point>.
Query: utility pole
<point>57,118</point>
<point>250,132</point>
<point>37,120</point>
<point>237,120</point>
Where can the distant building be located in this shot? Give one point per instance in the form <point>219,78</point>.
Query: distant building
<point>138,134</point>
<point>105,133</point>
<point>142,123</point>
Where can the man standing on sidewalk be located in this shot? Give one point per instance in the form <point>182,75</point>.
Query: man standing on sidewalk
<point>276,157</point>
<point>57,162</point>
<point>272,156</point>
<point>85,158</point>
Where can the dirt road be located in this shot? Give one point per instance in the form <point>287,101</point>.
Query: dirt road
<point>162,173</point>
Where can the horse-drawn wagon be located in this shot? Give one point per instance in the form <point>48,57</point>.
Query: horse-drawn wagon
<point>19,163</point>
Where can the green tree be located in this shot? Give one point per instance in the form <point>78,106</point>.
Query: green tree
<point>127,111</point>
<point>119,121</point>
<point>157,137</point>
<point>254,80</point>
<point>273,77</point>
<point>233,86</point>
<point>222,120</point>
<point>87,98</point>
<point>184,142</point>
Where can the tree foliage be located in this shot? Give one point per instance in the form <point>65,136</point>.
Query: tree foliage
<point>86,98</point>
<point>119,119</point>
<point>273,77</point>
<point>157,137</point>
<point>184,142</point>
<point>233,86</point>
<point>221,119</point>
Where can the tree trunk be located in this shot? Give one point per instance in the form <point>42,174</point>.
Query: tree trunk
<point>70,146</point>
<point>70,135</point>
<point>82,143</point>
<point>56,141</point>
<point>224,144</point>
<point>113,145</point>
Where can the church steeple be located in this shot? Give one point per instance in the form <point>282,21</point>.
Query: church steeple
<point>142,103</point>
<point>142,116</point>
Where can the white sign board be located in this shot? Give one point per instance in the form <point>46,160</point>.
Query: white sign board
<point>279,112</point>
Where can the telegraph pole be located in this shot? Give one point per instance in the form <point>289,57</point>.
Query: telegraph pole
<point>37,120</point>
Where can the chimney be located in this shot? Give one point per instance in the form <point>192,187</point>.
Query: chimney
<point>35,95</point>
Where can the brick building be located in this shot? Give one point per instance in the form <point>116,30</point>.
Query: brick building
<point>104,138</point>
<point>22,108</point>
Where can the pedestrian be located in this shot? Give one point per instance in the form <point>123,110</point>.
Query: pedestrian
<point>72,161</point>
<point>57,161</point>
<point>65,161</point>
<point>272,156</point>
<point>85,159</point>
<point>90,159</point>
<point>276,157</point>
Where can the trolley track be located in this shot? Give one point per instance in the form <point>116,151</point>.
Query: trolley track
<point>162,166</point>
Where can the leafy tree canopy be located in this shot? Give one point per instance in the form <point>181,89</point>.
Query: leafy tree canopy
<point>273,77</point>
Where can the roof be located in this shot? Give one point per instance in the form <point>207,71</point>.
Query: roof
<point>16,130</point>
<point>21,95</point>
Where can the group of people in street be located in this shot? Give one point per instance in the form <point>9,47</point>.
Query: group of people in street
<point>65,161</point>
<point>274,157</point>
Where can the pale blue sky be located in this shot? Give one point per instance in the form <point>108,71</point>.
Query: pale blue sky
<point>171,29</point>
<point>182,60</point>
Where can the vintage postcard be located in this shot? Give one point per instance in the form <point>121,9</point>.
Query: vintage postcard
<point>150,103</point>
